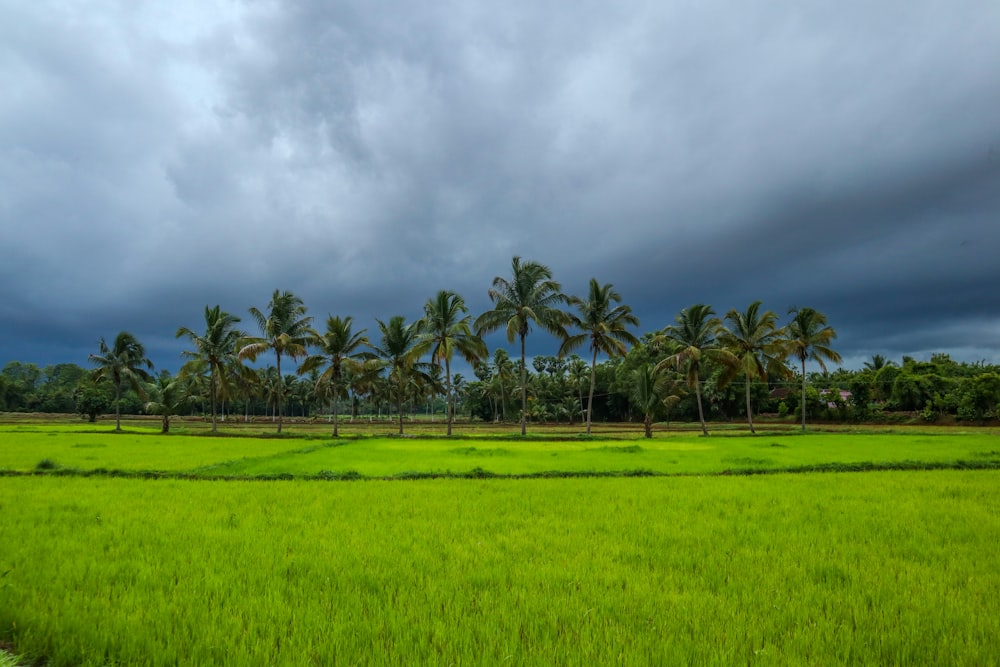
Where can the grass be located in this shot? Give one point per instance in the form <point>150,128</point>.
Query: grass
<point>880,568</point>
<point>63,448</point>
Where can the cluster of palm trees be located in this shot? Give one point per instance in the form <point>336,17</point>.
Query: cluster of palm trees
<point>340,359</point>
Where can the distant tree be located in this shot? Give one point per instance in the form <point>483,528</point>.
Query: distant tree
<point>399,351</point>
<point>652,391</point>
<point>341,356</point>
<point>214,349</point>
<point>123,363</point>
<point>92,398</point>
<point>808,337</point>
<point>877,363</point>
<point>446,330</point>
<point>604,326</point>
<point>529,297</point>
<point>286,330</point>
<point>755,342</point>
<point>170,396</point>
<point>694,337</point>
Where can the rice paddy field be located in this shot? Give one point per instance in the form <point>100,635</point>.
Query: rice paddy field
<point>213,562</point>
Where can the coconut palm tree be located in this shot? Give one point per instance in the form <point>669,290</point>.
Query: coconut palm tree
<point>285,329</point>
<point>445,330</point>
<point>604,326</point>
<point>529,297</point>
<point>877,363</point>
<point>171,395</point>
<point>650,391</point>
<point>342,356</point>
<point>694,336</point>
<point>124,362</point>
<point>214,349</point>
<point>398,352</point>
<point>755,341</point>
<point>808,337</point>
<point>579,375</point>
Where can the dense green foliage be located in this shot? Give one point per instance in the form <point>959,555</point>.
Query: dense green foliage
<point>747,364</point>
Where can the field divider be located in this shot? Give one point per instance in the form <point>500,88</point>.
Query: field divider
<point>480,473</point>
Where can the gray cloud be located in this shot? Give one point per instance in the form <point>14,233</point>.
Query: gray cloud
<point>844,156</point>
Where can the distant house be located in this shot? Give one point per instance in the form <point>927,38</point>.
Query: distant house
<point>845,396</point>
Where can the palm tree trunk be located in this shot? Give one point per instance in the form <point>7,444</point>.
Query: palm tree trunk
<point>648,423</point>
<point>749,416</point>
<point>211,389</point>
<point>118,407</point>
<point>701,413</point>
<point>593,381</point>
<point>524,391</point>
<point>447,403</point>
<point>336,417</point>
<point>803,406</point>
<point>399,406</point>
<point>281,388</point>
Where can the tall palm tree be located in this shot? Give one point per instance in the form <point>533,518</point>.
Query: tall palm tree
<point>694,336</point>
<point>603,325</point>
<point>399,351</point>
<point>446,330</point>
<point>342,354</point>
<point>808,337</point>
<point>529,297</point>
<point>215,348</point>
<point>285,329</point>
<point>124,362</point>
<point>650,390</point>
<point>755,341</point>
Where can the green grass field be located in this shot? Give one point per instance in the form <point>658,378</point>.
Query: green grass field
<point>23,448</point>
<point>875,568</point>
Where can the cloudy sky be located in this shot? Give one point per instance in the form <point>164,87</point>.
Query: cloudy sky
<point>157,157</point>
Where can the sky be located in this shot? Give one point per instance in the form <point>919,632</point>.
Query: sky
<point>159,157</point>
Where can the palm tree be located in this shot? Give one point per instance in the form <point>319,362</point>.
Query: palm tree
<point>650,390</point>
<point>579,374</point>
<point>877,363</point>
<point>755,341</point>
<point>695,336</point>
<point>446,330</point>
<point>124,362</point>
<point>602,324</point>
<point>215,348</point>
<point>531,296</point>
<point>285,329</point>
<point>342,355</point>
<point>808,337</point>
<point>171,396</point>
<point>504,373</point>
<point>399,350</point>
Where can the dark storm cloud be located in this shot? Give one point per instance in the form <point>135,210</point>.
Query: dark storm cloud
<point>842,156</point>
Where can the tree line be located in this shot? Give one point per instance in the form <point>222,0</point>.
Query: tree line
<point>701,367</point>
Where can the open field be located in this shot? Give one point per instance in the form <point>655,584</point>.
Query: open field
<point>877,568</point>
<point>23,447</point>
<point>880,568</point>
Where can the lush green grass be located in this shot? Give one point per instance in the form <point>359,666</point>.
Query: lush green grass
<point>24,447</point>
<point>877,568</point>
